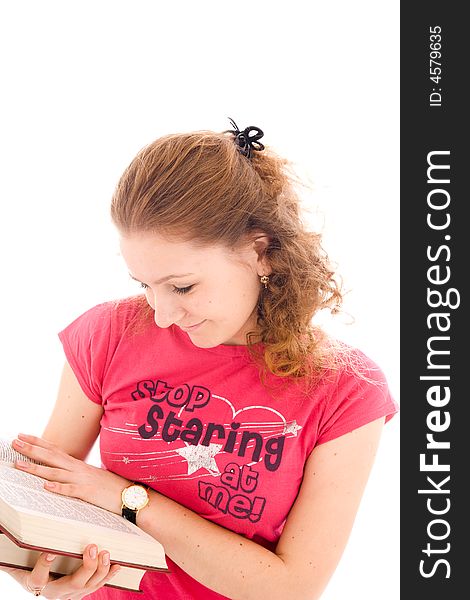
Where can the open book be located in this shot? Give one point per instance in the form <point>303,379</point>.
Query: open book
<point>34,520</point>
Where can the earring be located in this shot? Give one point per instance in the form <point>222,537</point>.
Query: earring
<point>264,280</point>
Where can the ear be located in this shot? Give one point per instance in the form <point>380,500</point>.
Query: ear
<point>260,244</point>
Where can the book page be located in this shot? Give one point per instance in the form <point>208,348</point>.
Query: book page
<point>25,491</point>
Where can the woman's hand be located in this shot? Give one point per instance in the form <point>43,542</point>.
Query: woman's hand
<point>89,577</point>
<point>70,476</point>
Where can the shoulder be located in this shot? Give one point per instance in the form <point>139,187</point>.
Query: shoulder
<point>104,325</point>
<point>116,314</point>
<point>92,340</point>
<point>355,391</point>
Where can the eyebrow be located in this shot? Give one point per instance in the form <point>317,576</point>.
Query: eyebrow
<point>163,279</point>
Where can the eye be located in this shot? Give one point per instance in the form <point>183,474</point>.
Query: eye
<point>183,290</point>
<point>144,286</point>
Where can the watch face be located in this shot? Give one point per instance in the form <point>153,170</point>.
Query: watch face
<point>135,497</point>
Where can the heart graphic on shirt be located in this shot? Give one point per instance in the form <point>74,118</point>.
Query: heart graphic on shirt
<point>254,433</point>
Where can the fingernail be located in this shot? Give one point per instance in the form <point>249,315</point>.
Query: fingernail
<point>93,552</point>
<point>106,559</point>
<point>50,557</point>
<point>49,484</point>
<point>19,442</point>
<point>22,463</point>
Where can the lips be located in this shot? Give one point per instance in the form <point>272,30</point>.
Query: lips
<point>191,327</point>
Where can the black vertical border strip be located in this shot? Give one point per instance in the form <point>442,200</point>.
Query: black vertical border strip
<point>434,524</point>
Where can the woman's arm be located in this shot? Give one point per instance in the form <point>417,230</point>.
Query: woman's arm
<point>74,423</point>
<point>312,542</point>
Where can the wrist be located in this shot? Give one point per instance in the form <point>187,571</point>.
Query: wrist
<point>144,515</point>
<point>115,498</point>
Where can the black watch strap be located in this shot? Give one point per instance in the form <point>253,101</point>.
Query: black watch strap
<point>129,514</point>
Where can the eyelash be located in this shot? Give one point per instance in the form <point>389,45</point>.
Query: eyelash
<point>176,290</point>
<point>183,290</point>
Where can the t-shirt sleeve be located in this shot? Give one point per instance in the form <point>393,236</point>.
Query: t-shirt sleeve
<point>86,344</point>
<point>361,395</point>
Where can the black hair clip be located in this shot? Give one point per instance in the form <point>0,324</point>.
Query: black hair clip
<point>248,139</point>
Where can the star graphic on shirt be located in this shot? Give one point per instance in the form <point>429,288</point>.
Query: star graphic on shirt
<point>201,457</point>
<point>292,427</point>
<point>126,460</point>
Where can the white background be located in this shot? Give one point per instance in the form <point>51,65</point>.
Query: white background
<point>86,84</point>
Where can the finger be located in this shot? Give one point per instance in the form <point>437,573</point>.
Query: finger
<point>39,576</point>
<point>85,572</point>
<point>104,571</point>
<point>92,587</point>
<point>42,451</point>
<point>114,570</point>
<point>35,440</point>
<point>72,490</point>
<point>43,471</point>
<point>75,584</point>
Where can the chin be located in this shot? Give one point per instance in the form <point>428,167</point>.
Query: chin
<point>209,342</point>
<point>211,339</point>
<point>203,343</point>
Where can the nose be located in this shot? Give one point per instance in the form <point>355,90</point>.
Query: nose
<point>166,311</point>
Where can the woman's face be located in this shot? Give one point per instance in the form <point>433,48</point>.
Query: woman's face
<point>210,293</point>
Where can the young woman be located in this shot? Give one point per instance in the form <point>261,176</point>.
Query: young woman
<point>253,432</point>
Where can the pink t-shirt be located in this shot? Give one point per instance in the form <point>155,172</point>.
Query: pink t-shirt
<point>198,426</point>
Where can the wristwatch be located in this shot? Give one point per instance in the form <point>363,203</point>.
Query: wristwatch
<point>134,497</point>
